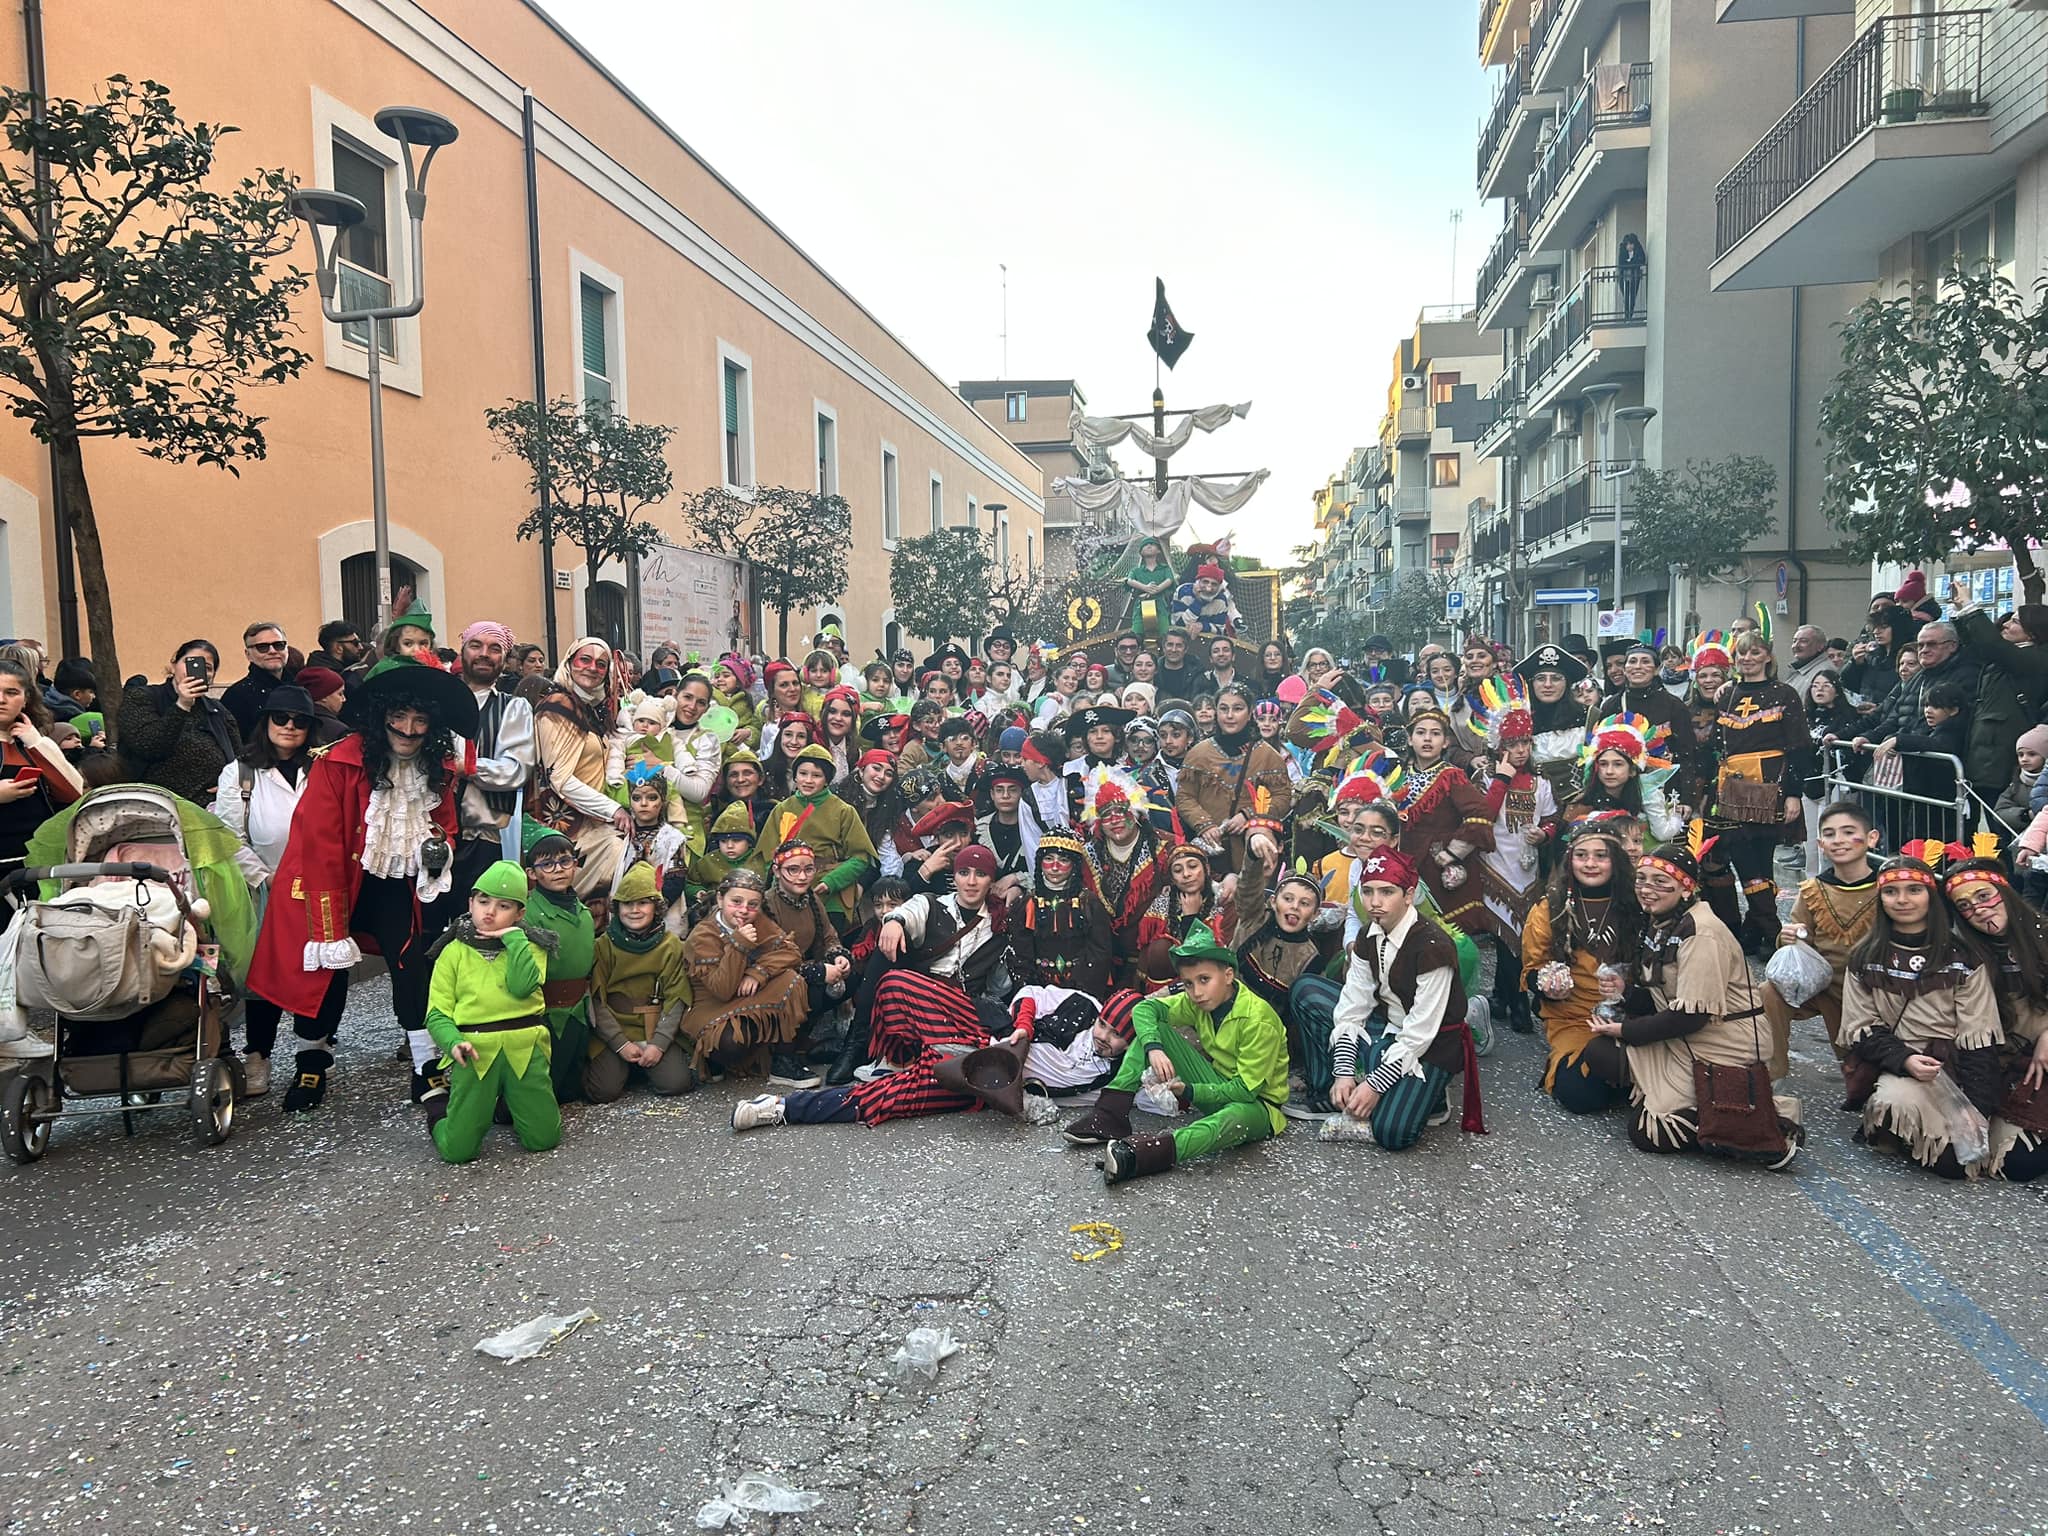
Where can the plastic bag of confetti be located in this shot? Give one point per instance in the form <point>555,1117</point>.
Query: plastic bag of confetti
<point>534,1335</point>
<point>760,1493</point>
<point>922,1351</point>
<point>1341,1127</point>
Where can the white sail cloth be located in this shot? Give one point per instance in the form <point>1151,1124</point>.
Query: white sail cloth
<point>1107,431</point>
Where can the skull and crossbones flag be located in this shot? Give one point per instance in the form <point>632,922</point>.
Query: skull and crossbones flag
<point>1166,335</point>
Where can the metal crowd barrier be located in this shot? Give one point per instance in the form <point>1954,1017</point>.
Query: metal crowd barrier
<point>1901,817</point>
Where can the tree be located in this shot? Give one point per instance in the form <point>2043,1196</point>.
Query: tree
<point>1935,425</point>
<point>1413,608</point>
<point>591,472</point>
<point>794,541</point>
<point>940,583</point>
<point>1700,520</point>
<point>135,301</point>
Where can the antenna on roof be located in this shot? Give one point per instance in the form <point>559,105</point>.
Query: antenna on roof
<point>1006,320</point>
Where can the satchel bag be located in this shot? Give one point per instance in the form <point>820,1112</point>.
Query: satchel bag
<point>1738,1116</point>
<point>2026,1107</point>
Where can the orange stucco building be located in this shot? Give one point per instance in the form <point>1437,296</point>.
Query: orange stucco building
<point>660,286</point>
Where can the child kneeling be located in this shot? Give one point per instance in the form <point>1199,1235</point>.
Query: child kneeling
<point>639,991</point>
<point>486,1013</point>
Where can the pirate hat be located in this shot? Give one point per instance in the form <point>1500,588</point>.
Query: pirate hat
<point>1550,658</point>
<point>398,681</point>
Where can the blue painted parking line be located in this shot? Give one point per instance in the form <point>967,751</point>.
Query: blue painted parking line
<point>2001,1355</point>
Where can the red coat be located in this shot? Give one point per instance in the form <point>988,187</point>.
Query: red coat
<point>314,890</point>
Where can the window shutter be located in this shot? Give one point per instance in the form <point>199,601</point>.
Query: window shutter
<point>732,398</point>
<point>594,349</point>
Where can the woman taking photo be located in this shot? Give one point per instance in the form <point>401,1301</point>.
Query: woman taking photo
<point>36,779</point>
<point>256,797</point>
<point>1917,1003</point>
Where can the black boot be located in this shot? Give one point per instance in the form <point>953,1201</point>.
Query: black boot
<point>309,1085</point>
<point>1520,1019</point>
<point>1136,1158</point>
<point>1109,1120</point>
<point>853,1051</point>
<point>429,1084</point>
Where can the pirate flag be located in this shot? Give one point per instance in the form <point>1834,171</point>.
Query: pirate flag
<point>1166,335</point>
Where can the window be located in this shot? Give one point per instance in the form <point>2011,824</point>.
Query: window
<point>1981,238</point>
<point>1013,405</point>
<point>892,512</point>
<point>828,452</point>
<point>938,503</point>
<point>605,612</point>
<point>1442,388</point>
<point>1443,548</point>
<point>359,588</point>
<point>1030,554</point>
<point>973,513</point>
<point>593,306</point>
<point>735,417</point>
<point>1002,540</point>
<point>1443,469</point>
<point>365,248</point>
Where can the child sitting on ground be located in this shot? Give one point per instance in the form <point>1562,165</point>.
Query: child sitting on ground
<point>1833,913</point>
<point>639,991</point>
<point>487,1011</point>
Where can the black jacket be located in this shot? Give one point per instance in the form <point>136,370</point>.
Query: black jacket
<point>244,698</point>
<point>180,750</point>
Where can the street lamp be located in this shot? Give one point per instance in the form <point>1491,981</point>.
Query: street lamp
<point>1600,398</point>
<point>327,215</point>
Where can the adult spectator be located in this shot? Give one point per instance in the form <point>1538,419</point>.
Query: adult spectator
<point>341,650</point>
<point>531,661</point>
<point>1995,709</point>
<point>1118,673</point>
<point>328,693</point>
<point>1222,665</point>
<point>35,778</point>
<point>1873,670</point>
<point>74,691</point>
<point>489,799</point>
<point>2018,645</point>
<point>1180,675</point>
<point>175,734</point>
<point>266,647</point>
<point>1809,656</point>
<point>1382,665</point>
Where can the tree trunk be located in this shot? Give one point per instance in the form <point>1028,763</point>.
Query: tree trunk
<point>782,630</point>
<point>92,583</point>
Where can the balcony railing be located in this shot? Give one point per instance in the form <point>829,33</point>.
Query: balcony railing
<point>1414,421</point>
<point>1901,69</point>
<point>1489,13</point>
<point>1491,543</point>
<point>1611,96</point>
<point>1605,297</point>
<point>1542,17</point>
<point>1513,87</point>
<point>1498,403</point>
<point>1411,501</point>
<point>1576,499</point>
<point>1500,260</point>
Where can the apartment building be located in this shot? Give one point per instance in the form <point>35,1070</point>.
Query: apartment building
<point>661,289</point>
<point>1429,454</point>
<point>1612,124</point>
<point>1036,416</point>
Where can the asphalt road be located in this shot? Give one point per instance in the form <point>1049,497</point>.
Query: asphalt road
<point>1532,1330</point>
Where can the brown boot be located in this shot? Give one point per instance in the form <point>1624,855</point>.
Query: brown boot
<point>1109,1120</point>
<point>1137,1157</point>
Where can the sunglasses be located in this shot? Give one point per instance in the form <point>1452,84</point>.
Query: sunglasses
<point>269,645</point>
<point>295,722</point>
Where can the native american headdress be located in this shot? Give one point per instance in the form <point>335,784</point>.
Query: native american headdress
<point>1506,705</point>
<point>1635,737</point>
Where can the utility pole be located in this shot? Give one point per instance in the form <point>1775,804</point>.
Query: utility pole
<point>1457,218</point>
<point>1005,269</point>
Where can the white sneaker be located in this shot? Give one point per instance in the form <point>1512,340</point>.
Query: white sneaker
<point>1441,1117</point>
<point>873,1070</point>
<point>750,1114</point>
<point>255,1076</point>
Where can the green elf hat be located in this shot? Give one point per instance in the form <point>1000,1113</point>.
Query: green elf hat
<point>537,838</point>
<point>739,754</point>
<point>504,880</point>
<point>817,754</point>
<point>733,821</point>
<point>638,884</point>
<point>416,616</point>
<point>1201,945</point>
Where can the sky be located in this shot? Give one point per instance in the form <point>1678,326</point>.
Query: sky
<point>1289,169</point>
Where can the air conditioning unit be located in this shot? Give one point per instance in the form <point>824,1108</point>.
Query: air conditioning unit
<point>1412,382</point>
<point>1544,289</point>
<point>1564,421</point>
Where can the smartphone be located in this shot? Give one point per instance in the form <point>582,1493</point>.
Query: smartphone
<point>195,666</point>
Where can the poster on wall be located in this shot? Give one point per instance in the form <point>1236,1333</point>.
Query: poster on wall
<point>691,600</point>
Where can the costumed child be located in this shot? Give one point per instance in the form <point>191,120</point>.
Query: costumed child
<point>732,682</point>
<point>1588,917</point>
<point>1396,1076</point>
<point>652,838</point>
<point>1917,1007</point>
<point>1444,822</point>
<point>411,636</point>
<point>1127,864</point>
<point>1285,948</point>
<point>821,676</point>
<point>488,1014</point>
<point>1216,1046</point>
<point>731,845</point>
<point>642,739</point>
<point>1524,820</point>
<point>2016,937</point>
<point>1627,762</point>
<point>749,1001</point>
<point>831,826</point>
<point>1832,915</point>
<point>1060,935</point>
<point>639,991</point>
<point>1204,605</point>
<point>552,903</point>
<point>793,905</point>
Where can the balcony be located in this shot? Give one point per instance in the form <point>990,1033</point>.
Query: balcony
<point>1508,140</point>
<point>1595,337</point>
<point>1511,273</point>
<point>1576,31</point>
<point>1411,502</point>
<point>1573,512</point>
<point>1382,530</point>
<point>1488,545</point>
<point>1412,424</point>
<point>1780,10</point>
<point>1500,403</point>
<point>1894,136</point>
<point>1602,148</point>
<point>1496,30</point>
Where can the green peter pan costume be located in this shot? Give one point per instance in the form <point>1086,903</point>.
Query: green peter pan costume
<point>710,867</point>
<point>563,914</point>
<point>835,832</point>
<point>639,992</point>
<point>487,993</point>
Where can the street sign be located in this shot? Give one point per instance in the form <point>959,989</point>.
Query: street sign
<point>1454,603</point>
<point>1567,595</point>
<point>1617,623</point>
<point>1784,580</point>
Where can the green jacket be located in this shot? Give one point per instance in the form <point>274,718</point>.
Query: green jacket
<point>482,981</point>
<point>1248,1047</point>
<point>576,934</point>
<point>846,854</point>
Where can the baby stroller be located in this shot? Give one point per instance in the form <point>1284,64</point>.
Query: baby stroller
<point>123,957</point>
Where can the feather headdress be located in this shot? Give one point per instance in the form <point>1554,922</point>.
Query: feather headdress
<point>1505,703</point>
<point>1645,743</point>
<point>1710,649</point>
<point>1107,786</point>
